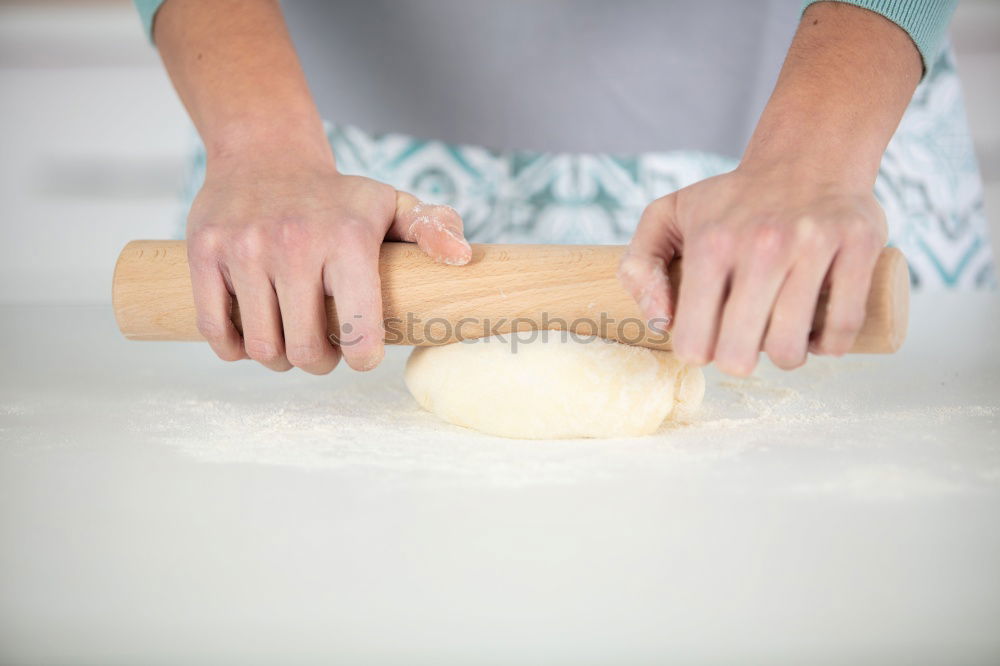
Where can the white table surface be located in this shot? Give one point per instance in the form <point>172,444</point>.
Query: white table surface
<point>158,506</point>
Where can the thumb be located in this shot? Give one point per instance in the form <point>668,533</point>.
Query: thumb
<point>643,268</point>
<point>436,229</point>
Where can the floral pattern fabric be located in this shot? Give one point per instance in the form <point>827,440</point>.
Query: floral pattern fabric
<point>928,184</point>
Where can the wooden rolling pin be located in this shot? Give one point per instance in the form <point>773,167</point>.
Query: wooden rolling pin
<point>503,288</point>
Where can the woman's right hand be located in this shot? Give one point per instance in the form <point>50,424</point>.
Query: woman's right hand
<point>281,234</point>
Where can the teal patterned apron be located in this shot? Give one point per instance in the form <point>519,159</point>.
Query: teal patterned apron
<point>928,184</point>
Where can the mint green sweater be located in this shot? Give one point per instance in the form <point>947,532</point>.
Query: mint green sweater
<point>925,21</point>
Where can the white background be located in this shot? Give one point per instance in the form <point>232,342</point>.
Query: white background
<point>93,140</point>
<point>160,507</point>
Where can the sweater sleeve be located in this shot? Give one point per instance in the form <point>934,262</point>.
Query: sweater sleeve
<point>147,12</point>
<point>925,21</point>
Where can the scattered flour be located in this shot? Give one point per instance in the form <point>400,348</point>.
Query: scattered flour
<point>378,426</point>
<point>14,409</point>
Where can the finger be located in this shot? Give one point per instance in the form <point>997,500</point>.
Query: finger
<point>301,298</point>
<point>643,268</point>
<point>213,304</point>
<point>708,263</point>
<point>436,229</point>
<point>351,276</point>
<point>645,278</point>
<point>259,314</point>
<point>787,338</point>
<point>756,281</point>
<point>850,280</point>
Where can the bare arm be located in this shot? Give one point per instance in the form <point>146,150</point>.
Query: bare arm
<point>759,242</point>
<point>846,81</point>
<point>234,67</point>
<point>275,224</point>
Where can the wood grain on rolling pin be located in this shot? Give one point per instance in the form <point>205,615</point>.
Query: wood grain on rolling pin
<point>504,287</point>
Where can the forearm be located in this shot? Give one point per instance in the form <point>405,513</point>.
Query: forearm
<point>235,68</point>
<point>844,86</point>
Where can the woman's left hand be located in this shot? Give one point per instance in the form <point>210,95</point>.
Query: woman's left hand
<point>758,245</point>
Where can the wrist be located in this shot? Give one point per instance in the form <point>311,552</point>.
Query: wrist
<point>802,152</point>
<point>281,138</point>
<point>808,171</point>
<point>846,81</point>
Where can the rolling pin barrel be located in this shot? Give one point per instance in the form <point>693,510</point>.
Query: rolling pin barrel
<point>504,288</point>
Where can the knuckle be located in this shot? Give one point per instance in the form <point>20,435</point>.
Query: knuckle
<point>448,212</point>
<point>211,329</point>
<point>447,216</point>
<point>810,234</point>
<point>632,272</point>
<point>658,207</point>
<point>228,352</point>
<point>848,323</point>
<point>860,231</point>
<point>658,214</point>
<point>628,281</point>
<point>352,226</point>
<point>716,241</point>
<point>839,333</point>
<point>249,245</point>
<point>384,191</point>
<point>293,235</point>
<point>834,344</point>
<point>350,238</point>
<point>305,354</point>
<point>347,229</point>
<point>263,351</point>
<point>769,238</point>
<point>205,241</point>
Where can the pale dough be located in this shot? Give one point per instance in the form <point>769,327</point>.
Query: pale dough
<point>558,386</point>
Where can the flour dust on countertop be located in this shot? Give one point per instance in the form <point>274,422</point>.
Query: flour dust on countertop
<point>837,413</point>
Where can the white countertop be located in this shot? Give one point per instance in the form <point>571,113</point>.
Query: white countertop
<point>158,506</point>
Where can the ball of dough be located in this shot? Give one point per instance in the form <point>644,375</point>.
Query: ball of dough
<point>551,386</point>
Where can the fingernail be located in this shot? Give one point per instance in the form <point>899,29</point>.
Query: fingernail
<point>650,308</point>
<point>457,236</point>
